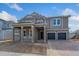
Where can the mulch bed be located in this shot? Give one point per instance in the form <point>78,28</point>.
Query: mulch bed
<point>24,47</point>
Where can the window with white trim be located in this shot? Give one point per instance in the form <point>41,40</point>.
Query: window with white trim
<point>56,22</point>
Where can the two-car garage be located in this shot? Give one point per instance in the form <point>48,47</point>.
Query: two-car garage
<point>57,36</point>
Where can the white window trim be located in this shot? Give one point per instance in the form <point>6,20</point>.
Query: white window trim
<point>56,22</point>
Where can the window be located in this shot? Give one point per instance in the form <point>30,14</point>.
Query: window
<point>56,22</point>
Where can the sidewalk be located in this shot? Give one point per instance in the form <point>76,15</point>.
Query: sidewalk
<point>4,53</point>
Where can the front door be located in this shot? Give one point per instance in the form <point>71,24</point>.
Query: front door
<point>40,35</point>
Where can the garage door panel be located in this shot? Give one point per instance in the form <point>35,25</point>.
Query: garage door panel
<point>61,36</point>
<point>51,36</point>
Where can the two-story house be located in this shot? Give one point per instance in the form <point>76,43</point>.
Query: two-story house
<point>37,28</point>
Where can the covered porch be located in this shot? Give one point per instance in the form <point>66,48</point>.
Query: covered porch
<point>29,33</point>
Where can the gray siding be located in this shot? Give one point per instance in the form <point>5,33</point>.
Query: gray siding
<point>64,23</point>
<point>5,24</point>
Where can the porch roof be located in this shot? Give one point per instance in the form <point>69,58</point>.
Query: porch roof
<point>28,24</point>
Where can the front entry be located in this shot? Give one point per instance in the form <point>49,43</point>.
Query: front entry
<point>40,35</point>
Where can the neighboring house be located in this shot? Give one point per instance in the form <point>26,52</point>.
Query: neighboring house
<point>71,35</point>
<point>38,28</point>
<point>6,29</point>
<point>75,35</point>
<point>5,24</point>
<point>77,32</point>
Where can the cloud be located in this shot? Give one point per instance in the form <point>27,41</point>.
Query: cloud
<point>7,17</point>
<point>73,20</point>
<point>15,6</point>
<point>68,11</point>
<point>74,14</point>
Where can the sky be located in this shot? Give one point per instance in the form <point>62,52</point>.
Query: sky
<point>15,11</point>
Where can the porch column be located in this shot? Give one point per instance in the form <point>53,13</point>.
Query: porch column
<point>33,33</point>
<point>56,35</point>
<point>13,34</point>
<point>21,33</point>
<point>45,34</point>
<point>29,33</point>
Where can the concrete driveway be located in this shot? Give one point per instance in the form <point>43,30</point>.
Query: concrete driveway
<point>63,48</point>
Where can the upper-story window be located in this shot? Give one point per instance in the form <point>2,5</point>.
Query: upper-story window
<point>56,22</point>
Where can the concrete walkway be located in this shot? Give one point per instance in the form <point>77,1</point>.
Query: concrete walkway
<point>4,53</point>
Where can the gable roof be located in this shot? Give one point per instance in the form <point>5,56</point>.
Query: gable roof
<point>32,16</point>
